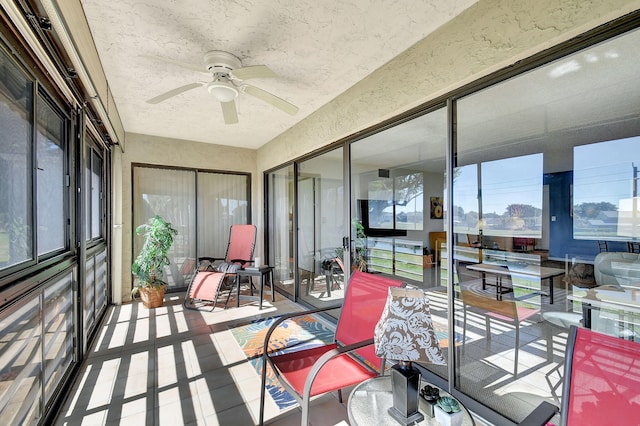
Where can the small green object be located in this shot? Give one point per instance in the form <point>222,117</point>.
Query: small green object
<point>448,404</point>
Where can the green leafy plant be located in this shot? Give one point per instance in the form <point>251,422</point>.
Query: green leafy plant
<point>149,265</point>
<point>359,255</point>
<point>448,404</point>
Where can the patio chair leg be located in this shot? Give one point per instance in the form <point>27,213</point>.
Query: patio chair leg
<point>464,327</point>
<point>515,358</point>
<point>304,418</point>
<point>487,326</point>
<point>231,288</point>
<point>263,389</point>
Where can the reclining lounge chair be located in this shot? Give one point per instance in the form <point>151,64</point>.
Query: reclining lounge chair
<point>215,273</point>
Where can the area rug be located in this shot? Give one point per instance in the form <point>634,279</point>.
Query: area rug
<point>443,335</point>
<point>296,334</point>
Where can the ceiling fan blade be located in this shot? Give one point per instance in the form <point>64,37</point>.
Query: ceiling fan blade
<point>229,112</point>
<point>174,92</point>
<point>254,71</point>
<point>270,99</point>
<point>197,68</point>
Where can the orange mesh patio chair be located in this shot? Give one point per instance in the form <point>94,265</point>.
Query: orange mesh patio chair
<point>601,382</point>
<point>215,273</point>
<point>351,359</point>
<point>506,311</point>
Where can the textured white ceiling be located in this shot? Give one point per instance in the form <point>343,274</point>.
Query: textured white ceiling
<point>318,48</point>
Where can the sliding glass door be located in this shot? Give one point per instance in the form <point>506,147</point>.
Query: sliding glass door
<point>545,214</point>
<point>201,205</point>
<point>397,192</point>
<point>280,200</point>
<point>321,228</point>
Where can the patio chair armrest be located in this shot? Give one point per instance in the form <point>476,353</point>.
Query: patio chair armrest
<point>206,263</point>
<point>541,415</point>
<point>528,296</point>
<point>286,317</point>
<point>328,356</point>
<point>209,259</point>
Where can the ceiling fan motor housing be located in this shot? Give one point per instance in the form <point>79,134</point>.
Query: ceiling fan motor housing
<point>221,62</point>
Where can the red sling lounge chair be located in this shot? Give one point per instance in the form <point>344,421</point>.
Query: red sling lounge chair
<point>214,273</point>
<point>312,372</point>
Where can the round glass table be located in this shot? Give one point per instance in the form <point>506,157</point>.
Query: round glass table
<point>370,400</point>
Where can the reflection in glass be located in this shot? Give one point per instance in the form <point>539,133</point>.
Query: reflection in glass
<point>50,179</point>
<point>545,164</point>
<point>58,332</point>
<point>280,227</point>
<point>505,200</point>
<point>605,190</point>
<point>397,188</point>
<point>96,196</point>
<point>466,204</point>
<point>512,197</point>
<point>321,228</point>
<point>222,201</point>
<point>16,105</point>
<point>89,294</point>
<point>172,195</point>
<point>396,203</point>
<point>21,364</point>
<point>101,281</point>
<point>391,197</point>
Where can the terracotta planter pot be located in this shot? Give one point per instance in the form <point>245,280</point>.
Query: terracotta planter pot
<point>152,297</point>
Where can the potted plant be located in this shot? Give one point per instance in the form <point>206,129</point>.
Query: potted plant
<point>447,411</point>
<point>149,265</point>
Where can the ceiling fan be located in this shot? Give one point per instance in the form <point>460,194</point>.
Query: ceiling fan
<point>227,83</point>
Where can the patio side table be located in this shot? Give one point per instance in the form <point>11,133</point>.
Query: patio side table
<point>264,273</point>
<point>369,403</point>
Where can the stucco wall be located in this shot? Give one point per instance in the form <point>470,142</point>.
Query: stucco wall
<point>488,36</point>
<point>163,151</point>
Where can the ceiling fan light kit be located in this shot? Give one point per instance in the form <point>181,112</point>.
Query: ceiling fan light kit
<point>223,91</point>
<point>228,74</point>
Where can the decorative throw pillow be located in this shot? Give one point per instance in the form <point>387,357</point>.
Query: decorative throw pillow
<point>229,268</point>
<point>581,275</point>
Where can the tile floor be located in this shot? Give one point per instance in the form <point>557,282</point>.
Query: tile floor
<point>171,366</point>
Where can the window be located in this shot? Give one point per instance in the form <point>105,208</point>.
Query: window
<point>546,164</point>
<point>605,191</point>
<point>50,173</point>
<point>94,182</point>
<point>16,210</point>
<point>202,206</point>
<point>397,202</point>
<point>499,207</point>
<point>222,201</point>
<point>37,349</point>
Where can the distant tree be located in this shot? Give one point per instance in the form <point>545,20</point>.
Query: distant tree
<point>522,210</point>
<point>593,210</point>
<point>408,186</point>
